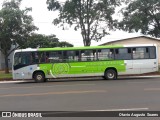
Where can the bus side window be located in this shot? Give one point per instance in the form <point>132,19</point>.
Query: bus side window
<point>140,53</point>
<point>36,60</point>
<point>123,54</point>
<point>88,55</point>
<point>105,54</point>
<point>94,55</point>
<point>47,57</point>
<point>32,58</point>
<point>152,52</point>
<point>25,58</point>
<point>71,56</point>
<point>41,57</point>
<point>77,56</point>
<point>146,53</point>
<point>55,56</point>
<point>37,57</point>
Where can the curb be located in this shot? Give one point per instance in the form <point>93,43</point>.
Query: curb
<point>144,76</point>
<point>5,81</point>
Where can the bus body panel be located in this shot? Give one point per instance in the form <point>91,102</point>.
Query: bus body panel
<point>129,67</point>
<point>25,72</point>
<point>81,68</point>
<point>140,66</point>
<point>145,66</point>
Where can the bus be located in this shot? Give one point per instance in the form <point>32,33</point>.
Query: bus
<point>110,61</point>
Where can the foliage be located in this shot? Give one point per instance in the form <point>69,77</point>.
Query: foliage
<point>15,27</point>
<point>44,41</point>
<point>92,17</point>
<point>143,16</point>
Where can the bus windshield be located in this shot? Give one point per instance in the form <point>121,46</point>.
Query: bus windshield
<point>21,59</point>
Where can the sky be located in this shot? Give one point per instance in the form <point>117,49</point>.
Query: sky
<point>43,20</point>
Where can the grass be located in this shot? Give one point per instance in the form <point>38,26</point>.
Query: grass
<point>5,76</point>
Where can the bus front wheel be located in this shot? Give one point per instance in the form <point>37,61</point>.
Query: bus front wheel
<point>110,74</point>
<point>39,77</point>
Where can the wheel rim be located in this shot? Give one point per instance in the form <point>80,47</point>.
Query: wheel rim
<point>110,75</point>
<point>39,77</point>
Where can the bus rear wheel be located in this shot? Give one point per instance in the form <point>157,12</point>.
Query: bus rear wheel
<point>39,77</point>
<point>110,74</point>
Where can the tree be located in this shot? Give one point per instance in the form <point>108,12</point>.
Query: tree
<point>142,16</point>
<point>65,44</point>
<point>15,28</point>
<point>44,41</point>
<point>92,17</point>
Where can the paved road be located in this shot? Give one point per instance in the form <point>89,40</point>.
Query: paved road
<point>79,95</point>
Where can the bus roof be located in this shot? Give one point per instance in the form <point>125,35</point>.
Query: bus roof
<point>92,47</point>
<point>81,48</point>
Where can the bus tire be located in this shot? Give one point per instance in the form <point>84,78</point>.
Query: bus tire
<point>110,74</point>
<point>39,77</point>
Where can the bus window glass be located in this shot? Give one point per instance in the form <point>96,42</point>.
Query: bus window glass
<point>55,56</point>
<point>88,55</point>
<point>22,59</point>
<point>105,54</point>
<point>70,56</point>
<point>41,57</point>
<point>152,52</point>
<point>25,58</point>
<point>17,59</point>
<point>140,53</point>
<point>123,54</point>
<point>37,57</point>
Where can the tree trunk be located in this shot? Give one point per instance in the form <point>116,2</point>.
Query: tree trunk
<point>86,42</point>
<point>6,64</point>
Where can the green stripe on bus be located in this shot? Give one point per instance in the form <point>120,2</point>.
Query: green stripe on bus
<point>82,67</point>
<point>79,48</point>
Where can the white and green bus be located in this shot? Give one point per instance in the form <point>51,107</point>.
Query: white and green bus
<point>108,61</point>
